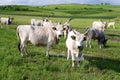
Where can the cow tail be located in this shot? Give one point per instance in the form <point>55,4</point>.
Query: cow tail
<point>19,43</point>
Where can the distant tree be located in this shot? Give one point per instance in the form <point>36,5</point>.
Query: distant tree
<point>56,8</point>
<point>102,3</point>
<point>105,3</point>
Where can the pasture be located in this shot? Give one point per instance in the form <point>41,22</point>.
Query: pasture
<point>99,64</point>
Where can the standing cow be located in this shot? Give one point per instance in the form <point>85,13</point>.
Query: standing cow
<point>94,34</point>
<point>100,25</point>
<point>38,36</point>
<point>7,21</point>
<point>75,43</point>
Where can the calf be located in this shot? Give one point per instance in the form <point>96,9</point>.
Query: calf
<point>111,24</point>
<point>38,36</point>
<point>94,34</point>
<point>75,43</point>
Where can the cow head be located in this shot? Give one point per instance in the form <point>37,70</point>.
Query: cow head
<point>104,41</point>
<point>58,32</point>
<point>10,20</point>
<point>60,28</point>
<point>79,39</point>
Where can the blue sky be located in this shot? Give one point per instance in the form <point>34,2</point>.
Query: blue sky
<point>46,2</point>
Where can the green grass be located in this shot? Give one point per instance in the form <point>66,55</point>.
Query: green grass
<point>99,64</point>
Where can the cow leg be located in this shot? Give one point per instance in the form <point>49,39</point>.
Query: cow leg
<point>86,43</point>
<point>20,47</point>
<point>73,59</point>
<point>80,58</point>
<point>90,43</point>
<point>68,55</point>
<point>48,49</point>
<point>23,49</point>
<point>99,44</point>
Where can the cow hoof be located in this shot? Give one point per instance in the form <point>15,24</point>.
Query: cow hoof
<point>67,58</point>
<point>47,55</point>
<point>22,55</point>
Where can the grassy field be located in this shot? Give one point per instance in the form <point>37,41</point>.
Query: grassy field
<point>99,64</point>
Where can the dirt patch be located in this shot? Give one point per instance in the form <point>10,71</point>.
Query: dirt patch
<point>113,39</point>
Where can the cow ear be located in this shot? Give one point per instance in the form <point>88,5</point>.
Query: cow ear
<point>73,37</point>
<point>54,28</point>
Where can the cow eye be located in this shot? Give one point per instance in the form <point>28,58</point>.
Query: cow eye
<point>73,37</point>
<point>84,38</point>
<point>54,28</point>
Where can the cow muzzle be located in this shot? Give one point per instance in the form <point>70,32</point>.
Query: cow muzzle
<point>80,47</point>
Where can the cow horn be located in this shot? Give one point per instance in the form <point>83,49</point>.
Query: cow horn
<point>74,32</point>
<point>67,21</point>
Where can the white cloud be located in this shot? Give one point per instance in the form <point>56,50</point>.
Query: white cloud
<point>14,2</point>
<point>44,2</point>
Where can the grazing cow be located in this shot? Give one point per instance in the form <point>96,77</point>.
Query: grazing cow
<point>94,34</point>
<point>38,36</point>
<point>7,21</point>
<point>35,22</point>
<point>75,43</point>
<point>111,24</point>
<point>100,25</point>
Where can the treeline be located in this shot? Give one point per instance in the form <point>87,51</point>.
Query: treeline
<point>14,8</point>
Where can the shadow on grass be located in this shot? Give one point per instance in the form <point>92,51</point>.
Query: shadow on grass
<point>104,63</point>
<point>99,62</point>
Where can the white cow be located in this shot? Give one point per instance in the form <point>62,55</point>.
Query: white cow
<point>36,22</point>
<point>100,25</point>
<point>75,43</point>
<point>111,24</point>
<point>38,36</point>
<point>4,20</point>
